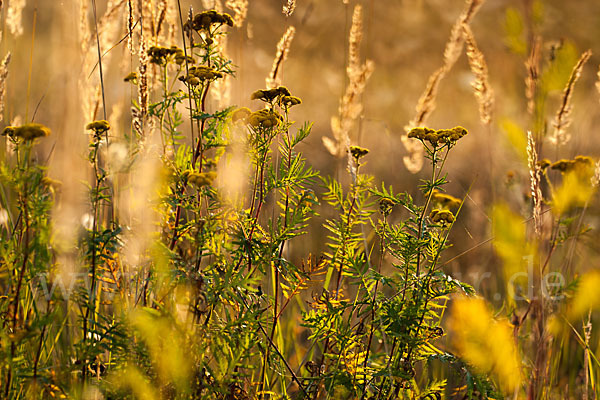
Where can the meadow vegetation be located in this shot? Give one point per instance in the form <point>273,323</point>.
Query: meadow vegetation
<point>176,224</point>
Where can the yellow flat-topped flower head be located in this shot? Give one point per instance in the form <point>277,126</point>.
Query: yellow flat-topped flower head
<point>100,125</point>
<point>445,201</point>
<point>265,118</point>
<point>290,101</point>
<point>204,20</point>
<point>441,216</point>
<point>269,95</point>
<point>419,133</point>
<point>386,205</point>
<point>358,152</point>
<point>28,132</point>
<point>440,136</point>
<point>544,163</point>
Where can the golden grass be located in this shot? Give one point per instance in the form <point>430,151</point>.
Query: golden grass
<point>562,121</point>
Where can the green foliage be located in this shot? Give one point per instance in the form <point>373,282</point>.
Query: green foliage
<point>221,297</point>
<point>202,314</point>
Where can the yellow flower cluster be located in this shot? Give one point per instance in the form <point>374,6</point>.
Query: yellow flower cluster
<point>580,163</point>
<point>265,118</point>
<point>385,205</point>
<point>544,163</point>
<point>200,74</point>
<point>204,20</point>
<point>441,216</point>
<point>269,95</point>
<point>486,343</point>
<point>435,137</point>
<point>162,55</point>
<point>358,152</point>
<point>444,200</point>
<point>290,101</point>
<point>98,127</point>
<point>27,132</point>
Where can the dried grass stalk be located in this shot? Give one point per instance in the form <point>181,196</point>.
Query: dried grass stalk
<point>354,41</point>
<point>596,177</point>
<point>598,81</point>
<point>148,19</point>
<point>106,23</point>
<point>454,46</point>
<point>14,17</point>
<point>289,7</point>
<point>212,4</point>
<point>534,173</point>
<point>84,27</point>
<point>130,27</point>
<point>426,103</point>
<point>3,76</point>
<point>139,116</point>
<point>109,27</point>
<point>162,14</point>
<point>108,30</point>
<point>414,161</point>
<point>483,91</point>
<point>563,115</point>
<point>220,89</point>
<point>240,10</point>
<point>283,48</point>
<point>533,69</point>
<point>172,21</point>
<point>350,106</point>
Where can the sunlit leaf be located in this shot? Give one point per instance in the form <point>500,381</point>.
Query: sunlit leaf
<point>484,342</point>
<point>586,296</point>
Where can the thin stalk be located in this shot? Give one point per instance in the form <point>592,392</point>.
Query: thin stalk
<point>421,219</point>
<point>198,154</point>
<point>287,366</point>
<point>30,64</point>
<point>382,248</point>
<point>432,269</point>
<point>191,110</point>
<point>15,307</point>
<point>341,264</point>
<point>91,297</point>
<point>387,367</point>
<point>278,263</point>
<point>39,349</point>
<point>99,61</point>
